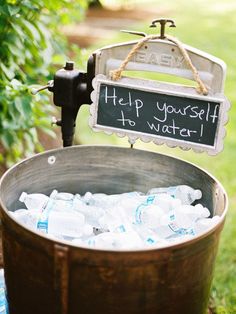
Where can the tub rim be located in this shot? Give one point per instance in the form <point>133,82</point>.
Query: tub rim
<point>180,244</point>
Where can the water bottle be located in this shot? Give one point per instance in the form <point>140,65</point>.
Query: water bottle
<point>177,223</point>
<point>115,220</point>
<point>91,213</point>
<point>149,237</point>
<point>86,232</point>
<point>20,215</point>
<point>56,201</point>
<point>63,223</point>
<point>179,238</point>
<point>113,241</point>
<point>36,201</point>
<point>128,240</point>
<point>54,215</point>
<point>205,224</point>
<point>148,210</point>
<point>166,202</point>
<point>148,215</point>
<point>3,299</point>
<point>137,206</point>
<point>104,201</point>
<point>56,223</point>
<point>183,192</point>
<point>64,196</point>
<point>26,217</point>
<point>193,212</point>
<point>104,241</point>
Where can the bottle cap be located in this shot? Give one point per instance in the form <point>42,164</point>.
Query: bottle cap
<point>53,194</point>
<point>198,194</point>
<point>23,197</point>
<point>87,197</point>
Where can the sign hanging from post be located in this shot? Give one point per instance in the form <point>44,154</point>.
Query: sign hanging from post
<point>154,114</point>
<point>162,112</point>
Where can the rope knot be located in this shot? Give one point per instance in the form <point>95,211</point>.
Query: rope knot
<point>116,74</point>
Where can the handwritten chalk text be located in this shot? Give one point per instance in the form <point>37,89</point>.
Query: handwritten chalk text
<point>147,112</point>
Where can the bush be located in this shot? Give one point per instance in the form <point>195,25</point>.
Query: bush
<point>29,37</point>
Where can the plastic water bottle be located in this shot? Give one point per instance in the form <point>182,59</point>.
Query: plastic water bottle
<point>104,201</point>
<point>179,238</point>
<point>36,201</point>
<point>148,215</point>
<point>114,241</point>
<point>148,210</point>
<point>167,231</point>
<point>163,201</point>
<point>104,240</point>
<point>205,224</point>
<point>175,216</point>
<point>115,221</point>
<point>56,201</point>
<point>91,213</point>
<point>60,223</point>
<point>183,192</point>
<point>166,202</point>
<point>177,223</point>
<point>85,232</point>
<point>64,196</point>
<point>57,223</point>
<point>149,237</point>
<point>28,218</point>
<point>193,212</point>
<point>20,215</point>
<point>128,240</point>
<point>3,299</point>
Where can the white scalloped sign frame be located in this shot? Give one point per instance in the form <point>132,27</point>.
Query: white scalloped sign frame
<point>163,121</point>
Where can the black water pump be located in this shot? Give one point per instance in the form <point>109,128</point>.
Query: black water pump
<point>71,88</point>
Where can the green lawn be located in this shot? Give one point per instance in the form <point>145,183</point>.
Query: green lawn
<point>209,26</point>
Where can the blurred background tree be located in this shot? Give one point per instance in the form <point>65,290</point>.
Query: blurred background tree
<point>30,43</point>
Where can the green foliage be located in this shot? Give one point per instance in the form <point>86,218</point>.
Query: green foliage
<point>30,37</point>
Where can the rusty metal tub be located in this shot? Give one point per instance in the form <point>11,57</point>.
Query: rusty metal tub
<point>45,276</point>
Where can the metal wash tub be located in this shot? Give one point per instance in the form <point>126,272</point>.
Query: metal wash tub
<point>45,276</point>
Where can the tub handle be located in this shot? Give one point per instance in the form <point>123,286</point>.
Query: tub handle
<point>61,279</point>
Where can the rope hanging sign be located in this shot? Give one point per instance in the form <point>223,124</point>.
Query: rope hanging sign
<point>165,113</point>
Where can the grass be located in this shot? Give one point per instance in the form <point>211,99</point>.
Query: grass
<point>209,26</point>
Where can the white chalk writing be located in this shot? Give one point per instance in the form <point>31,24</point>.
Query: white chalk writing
<point>174,116</point>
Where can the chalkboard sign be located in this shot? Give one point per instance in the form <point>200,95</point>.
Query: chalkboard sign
<point>176,118</point>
